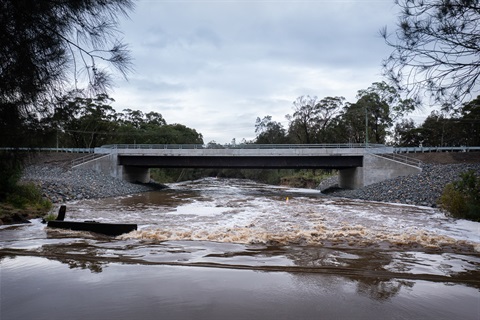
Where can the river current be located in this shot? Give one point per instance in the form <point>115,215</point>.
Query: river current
<point>236,249</point>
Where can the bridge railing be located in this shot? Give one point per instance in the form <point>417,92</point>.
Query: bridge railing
<point>65,150</point>
<point>241,146</point>
<point>434,149</point>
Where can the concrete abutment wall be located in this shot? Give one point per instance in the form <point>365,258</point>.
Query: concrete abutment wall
<point>108,164</point>
<point>375,169</point>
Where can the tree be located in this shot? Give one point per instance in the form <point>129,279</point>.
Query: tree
<point>438,130</point>
<point>470,122</point>
<point>312,118</point>
<point>269,132</point>
<point>44,42</point>
<point>86,122</point>
<point>436,48</point>
<point>406,134</point>
<point>374,113</point>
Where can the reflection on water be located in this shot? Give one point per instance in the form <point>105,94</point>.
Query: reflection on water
<point>216,249</point>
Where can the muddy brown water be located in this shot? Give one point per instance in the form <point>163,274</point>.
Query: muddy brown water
<point>235,249</point>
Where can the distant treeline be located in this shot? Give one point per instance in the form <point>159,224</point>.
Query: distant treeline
<point>74,121</point>
<point>378,116</point>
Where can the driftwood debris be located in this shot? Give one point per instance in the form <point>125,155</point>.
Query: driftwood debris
<point>110,229</point>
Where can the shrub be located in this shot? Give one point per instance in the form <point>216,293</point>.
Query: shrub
<point>27,194</point>
<point>462,198</point>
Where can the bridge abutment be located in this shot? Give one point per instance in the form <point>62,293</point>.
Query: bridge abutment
<point>109,164</point>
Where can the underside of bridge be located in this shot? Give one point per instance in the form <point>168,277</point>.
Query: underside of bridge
<point>244,162</point>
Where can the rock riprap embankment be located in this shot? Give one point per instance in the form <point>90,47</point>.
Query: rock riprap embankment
<point>422,189</point>
<point>59,184</point>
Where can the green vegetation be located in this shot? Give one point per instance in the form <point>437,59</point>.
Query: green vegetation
<point>19,195</point>
<point>462,198</point>
<point>50,217</point>
<point>25,195</point>
<point>18,201</point>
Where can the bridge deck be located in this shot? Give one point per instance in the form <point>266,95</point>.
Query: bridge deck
<point>244,156</point>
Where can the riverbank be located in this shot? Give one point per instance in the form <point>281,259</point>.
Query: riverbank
<point>61,184</point>
<point>423,189</point>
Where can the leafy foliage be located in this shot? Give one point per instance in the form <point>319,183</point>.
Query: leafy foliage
<point>83,122</point>
<point>462,198</point>
<point>269,132</point>
<point>332,120</point>
<point>312,119</point>
<point>28,194</point>
<point>460,128</point>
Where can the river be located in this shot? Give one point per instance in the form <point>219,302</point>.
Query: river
<point>236,249</point>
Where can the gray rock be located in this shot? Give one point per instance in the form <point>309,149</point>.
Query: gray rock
<point>62,184</point>
<point>423,189</point>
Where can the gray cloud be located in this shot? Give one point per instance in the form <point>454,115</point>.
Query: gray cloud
<point>217,65</point>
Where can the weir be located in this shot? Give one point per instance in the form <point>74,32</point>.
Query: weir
<point>359,165</point>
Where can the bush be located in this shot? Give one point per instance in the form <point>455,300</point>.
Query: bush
<point>27,194</point>
<point>462,198</point>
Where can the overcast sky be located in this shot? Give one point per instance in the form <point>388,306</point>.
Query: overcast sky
<point>216,66</point>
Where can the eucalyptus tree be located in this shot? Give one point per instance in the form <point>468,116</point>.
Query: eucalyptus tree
<point>436,48</point>
<point>269,131</point>
<point>370,118</point>
<point>469,121</point>
<point>312,118</point>
<point>84,122</point>
<point>407,134</point>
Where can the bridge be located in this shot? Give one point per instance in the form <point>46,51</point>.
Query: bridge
<point>358,164</point>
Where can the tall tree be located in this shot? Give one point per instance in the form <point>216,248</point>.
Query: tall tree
<point>406,134</point>
<point>269,132</point>
<point>86,122</point>
<point>312,117</point>
<point>436,48</point>
<point>48,44</point>
<point>373,114</point>
<point>469,122</point>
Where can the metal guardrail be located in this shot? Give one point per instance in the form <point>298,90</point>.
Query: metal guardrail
<point>241,146</point>
<point>66,150</point>
<point>250,146</point>
<point>434,149</point>
<point>87,158</point>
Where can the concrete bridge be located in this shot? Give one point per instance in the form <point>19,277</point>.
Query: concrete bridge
<point>359,165</point>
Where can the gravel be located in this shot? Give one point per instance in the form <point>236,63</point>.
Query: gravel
<point>60,184</point>
<point>423,189</point>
